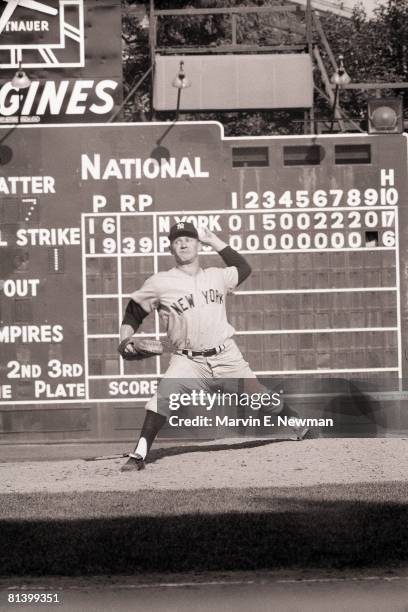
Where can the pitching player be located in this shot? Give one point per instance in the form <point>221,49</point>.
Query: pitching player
<point>191,302</point>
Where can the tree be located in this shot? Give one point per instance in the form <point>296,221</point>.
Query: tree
<point>374,50</point>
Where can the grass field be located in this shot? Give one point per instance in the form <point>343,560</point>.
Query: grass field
<point>330,526</point>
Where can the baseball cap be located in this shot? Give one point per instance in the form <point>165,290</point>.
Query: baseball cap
<point>183,228</point>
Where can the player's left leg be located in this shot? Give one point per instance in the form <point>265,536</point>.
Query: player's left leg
<point>231,364</point>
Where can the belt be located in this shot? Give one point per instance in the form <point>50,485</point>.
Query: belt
<point>207,353</point>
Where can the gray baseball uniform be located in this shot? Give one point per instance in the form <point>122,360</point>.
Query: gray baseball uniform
<point>193,311</point>
<point>192,308</point>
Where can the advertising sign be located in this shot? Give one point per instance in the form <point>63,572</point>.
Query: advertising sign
<point>70,55</point>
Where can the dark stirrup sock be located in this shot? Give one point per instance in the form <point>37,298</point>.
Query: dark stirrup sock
<point>152,424</point>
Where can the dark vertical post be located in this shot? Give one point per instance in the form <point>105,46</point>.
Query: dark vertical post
<point>152,43</point>
<point>334,108</point>
<point>178,103</point>
<point>309,42</point>
<point>234,29</point>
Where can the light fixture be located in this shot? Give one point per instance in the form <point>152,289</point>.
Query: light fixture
<point>144,23</point>
<point>385,116</point>
<point>138,10</point>
<point>20,80</point>
<point>339,78</point>
<point>181,81</point>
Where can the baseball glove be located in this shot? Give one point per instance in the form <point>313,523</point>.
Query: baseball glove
<point>135,349</point>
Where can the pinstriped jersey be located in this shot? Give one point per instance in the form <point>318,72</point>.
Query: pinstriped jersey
<point>192,308</point>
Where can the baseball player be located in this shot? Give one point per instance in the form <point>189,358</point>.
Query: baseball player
<point>191,302</point>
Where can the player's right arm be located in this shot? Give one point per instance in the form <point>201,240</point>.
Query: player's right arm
<point>234,259</point>
<point>238,269</point>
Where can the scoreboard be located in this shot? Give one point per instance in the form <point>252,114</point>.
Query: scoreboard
<point>85,211</point>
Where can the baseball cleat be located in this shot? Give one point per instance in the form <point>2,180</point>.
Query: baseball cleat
<point>135,462</point>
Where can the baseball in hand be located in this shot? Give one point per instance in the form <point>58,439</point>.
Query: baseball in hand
<point>205,235</point>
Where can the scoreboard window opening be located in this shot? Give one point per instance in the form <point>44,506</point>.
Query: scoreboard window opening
<point>23,357</point>
<point>371,239</point>
<point>10,210</point>
<point>352,154</point>
<point>24,390</point>
<point>95,366</point>
<point>303,155</point>
<point>23,311</point>
<point>250,157</point>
